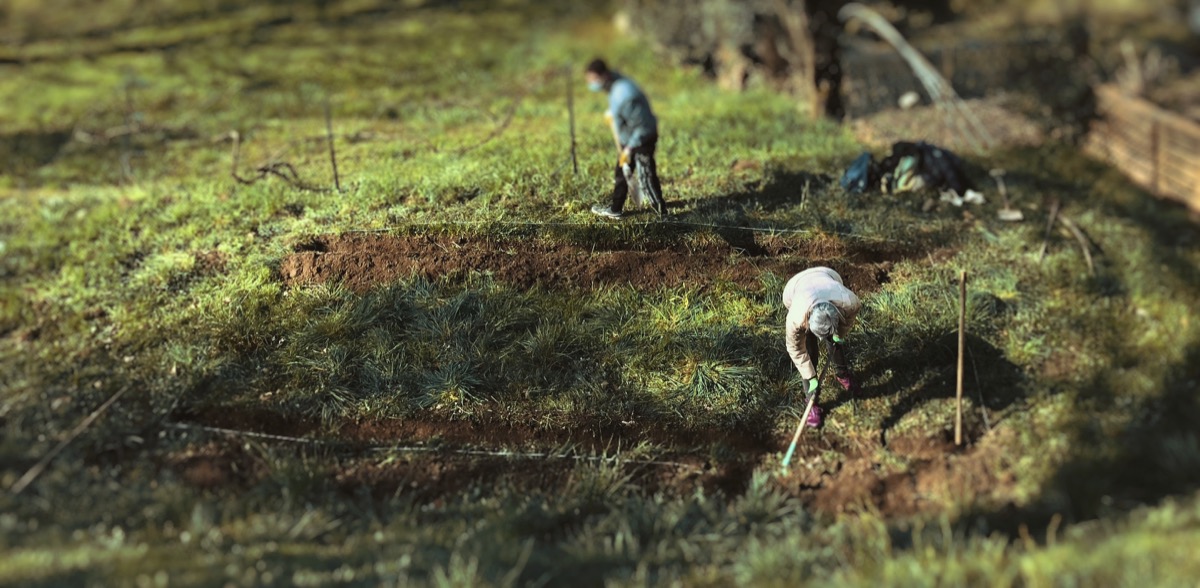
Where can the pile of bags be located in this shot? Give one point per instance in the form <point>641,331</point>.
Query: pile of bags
<point>912,166</point>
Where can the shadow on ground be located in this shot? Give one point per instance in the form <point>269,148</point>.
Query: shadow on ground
<point>1158,451</point>
<point>929,369</point>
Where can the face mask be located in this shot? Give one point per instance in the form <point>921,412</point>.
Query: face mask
<point>596,86</point>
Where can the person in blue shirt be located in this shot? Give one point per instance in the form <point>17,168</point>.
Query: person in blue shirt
<point>636,130</point>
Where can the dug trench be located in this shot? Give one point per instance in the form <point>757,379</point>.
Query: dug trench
<point>433,459</point>
<point>365,260</point>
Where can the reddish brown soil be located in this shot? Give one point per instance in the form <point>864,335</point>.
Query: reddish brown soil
<point>363,261</point>
<point>217,464</point>
<point>936,474</point>
<point>936,471</point>
<point>209,263</point>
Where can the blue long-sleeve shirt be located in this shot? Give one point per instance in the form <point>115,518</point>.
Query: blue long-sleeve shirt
<point>631,112</point>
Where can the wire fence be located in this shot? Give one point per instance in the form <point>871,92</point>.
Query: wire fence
<point>614,458</point>
<point>657,222</point>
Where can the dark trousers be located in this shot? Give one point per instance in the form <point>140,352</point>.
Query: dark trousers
<point>812,345</point>
<point>643,170</point>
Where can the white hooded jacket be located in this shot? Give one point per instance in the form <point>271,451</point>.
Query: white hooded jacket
<point>813,285</point>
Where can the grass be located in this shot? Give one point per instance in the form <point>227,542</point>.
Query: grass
<point>133,260</point>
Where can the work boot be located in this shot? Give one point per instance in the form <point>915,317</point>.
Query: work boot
<point>848,383</point>
<point>814,417</point>
<point>605,210</point>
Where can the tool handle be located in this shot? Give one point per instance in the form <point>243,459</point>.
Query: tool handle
<point>612,125</point>
<point>787,459</point>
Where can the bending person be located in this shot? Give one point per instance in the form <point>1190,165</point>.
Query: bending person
<point>820,309</point>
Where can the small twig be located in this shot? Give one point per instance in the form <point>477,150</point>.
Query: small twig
<point>512,111</point>
<point>987,422</point>
<point>41,465</point>
<point>1083,242</point>
<point>1052,528</point>
<point>236,137</point>
<point>998,175</point>
<point>1049,226</point>
<point>546,77</point>
<point>282,169</point>
<point>337,184</point>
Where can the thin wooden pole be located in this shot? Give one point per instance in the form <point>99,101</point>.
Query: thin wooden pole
<point>329,135</point>
<point>1049,225</point>
<point>571,117</point>
<point>962,347</point>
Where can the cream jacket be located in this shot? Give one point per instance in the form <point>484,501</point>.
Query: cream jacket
<point>813,285</point>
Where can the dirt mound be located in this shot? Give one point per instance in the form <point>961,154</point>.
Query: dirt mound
<point>936,473</point>
<point>363,261</point>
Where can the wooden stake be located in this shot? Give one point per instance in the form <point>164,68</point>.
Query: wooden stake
<point>1049,225</point>
<point>962,347</point>
<point>329,134</point>
<point>1084,246</point>
<point>571,118</point>
<point>237,153</point>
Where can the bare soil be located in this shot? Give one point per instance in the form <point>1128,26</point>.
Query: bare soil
<point>364,261</point>
<point>936,473</point>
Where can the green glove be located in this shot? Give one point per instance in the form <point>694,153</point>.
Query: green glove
<point>810,386</point>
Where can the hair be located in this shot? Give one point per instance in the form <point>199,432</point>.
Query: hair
<point>597,66</point>
<point>823,320</point>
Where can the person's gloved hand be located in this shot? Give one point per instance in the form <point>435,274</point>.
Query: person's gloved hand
<point>624,159</point>
<point>810,386</point>
<point>608,117</point>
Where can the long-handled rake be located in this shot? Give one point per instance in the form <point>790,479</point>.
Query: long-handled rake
<point>787,458</point>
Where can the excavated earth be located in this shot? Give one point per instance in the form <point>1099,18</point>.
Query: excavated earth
<point>444,457</point>
<point>363,261</point>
